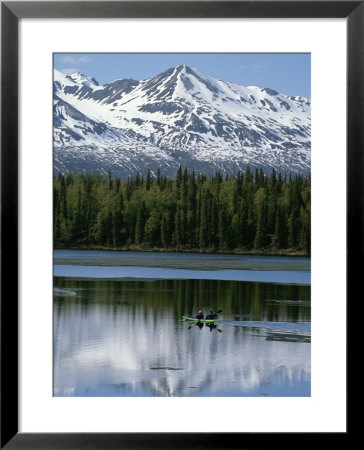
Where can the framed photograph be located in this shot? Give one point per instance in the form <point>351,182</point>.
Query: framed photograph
<point>163,259</point>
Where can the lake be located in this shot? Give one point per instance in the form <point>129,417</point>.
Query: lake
<point>118,328</point>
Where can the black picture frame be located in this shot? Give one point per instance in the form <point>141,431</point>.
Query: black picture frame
<point>11,12</point>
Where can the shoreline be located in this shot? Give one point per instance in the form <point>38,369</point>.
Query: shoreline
<point>238,251</point>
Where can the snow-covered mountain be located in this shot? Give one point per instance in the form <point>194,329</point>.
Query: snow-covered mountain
<point>179,117</point>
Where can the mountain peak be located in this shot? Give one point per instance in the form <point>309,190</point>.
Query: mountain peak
<point>183,68</point>
<point>80,78</point>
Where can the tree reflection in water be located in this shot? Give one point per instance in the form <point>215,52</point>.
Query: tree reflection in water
<point>126,338</point>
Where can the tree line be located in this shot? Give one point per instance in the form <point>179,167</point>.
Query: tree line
<point>250,211</point>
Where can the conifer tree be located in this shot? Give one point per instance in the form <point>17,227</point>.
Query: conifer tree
<point>165,231</point>
<point>139,226</point>
<point>148,182</point>
<point>203,222</point>
<point>260,235</point>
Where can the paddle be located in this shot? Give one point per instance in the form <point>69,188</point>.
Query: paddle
<point>218,312</point>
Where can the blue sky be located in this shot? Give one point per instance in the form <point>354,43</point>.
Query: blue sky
<point>287,73</point>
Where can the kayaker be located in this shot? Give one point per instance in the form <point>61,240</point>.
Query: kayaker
<point>199,315</point>
<point>212,315</point>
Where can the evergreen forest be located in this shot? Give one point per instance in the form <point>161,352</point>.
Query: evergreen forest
<point>247,212</point>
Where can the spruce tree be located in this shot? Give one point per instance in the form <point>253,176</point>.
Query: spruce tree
<point>260,235</point>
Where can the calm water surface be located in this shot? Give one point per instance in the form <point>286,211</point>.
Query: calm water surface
<point>108,264</point>
<point>125,337</point>
<point>173,255</point>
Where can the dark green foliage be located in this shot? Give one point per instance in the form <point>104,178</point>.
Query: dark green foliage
<point>192,212</point>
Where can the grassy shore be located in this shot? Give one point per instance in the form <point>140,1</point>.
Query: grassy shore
<point>236,251</point>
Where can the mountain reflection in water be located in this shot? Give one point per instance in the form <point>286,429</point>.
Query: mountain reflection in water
<point>126,338</point>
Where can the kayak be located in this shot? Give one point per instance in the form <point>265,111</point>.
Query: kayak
<point>192,319</point>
